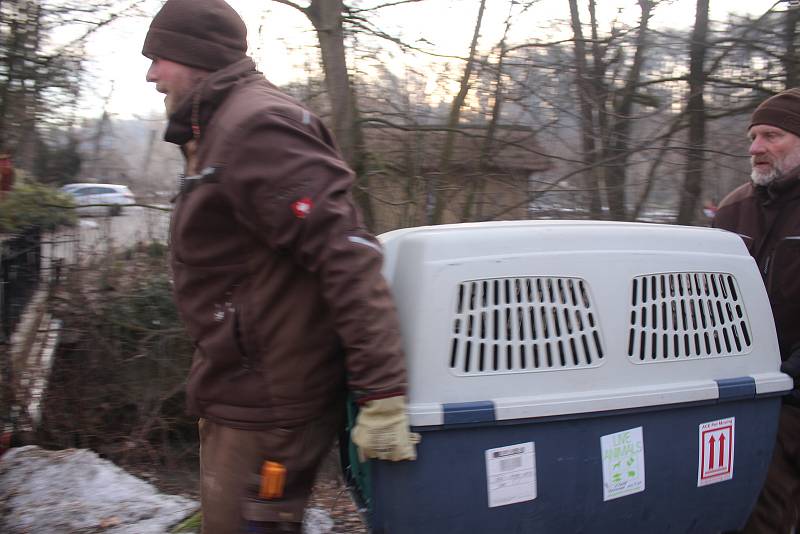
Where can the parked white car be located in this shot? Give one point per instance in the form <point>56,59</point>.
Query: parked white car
<point>100,199</point>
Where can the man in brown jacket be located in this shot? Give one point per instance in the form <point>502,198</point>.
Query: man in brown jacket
<point>276,279</point>
<point>766,213</point>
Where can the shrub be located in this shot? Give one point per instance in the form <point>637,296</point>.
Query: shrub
<point>118,377</point>
<point>33,204</point>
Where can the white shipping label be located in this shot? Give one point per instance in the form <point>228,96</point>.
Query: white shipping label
<point>511,474</point>
<point>715,458</point>
<point>623,463</point>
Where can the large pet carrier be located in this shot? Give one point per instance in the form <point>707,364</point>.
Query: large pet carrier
<point>578,377</point>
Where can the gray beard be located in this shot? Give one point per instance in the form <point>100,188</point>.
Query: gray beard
<point>764,179</point>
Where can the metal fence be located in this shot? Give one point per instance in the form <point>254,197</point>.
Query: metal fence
<point>30,258</point>
<point>20,269</point>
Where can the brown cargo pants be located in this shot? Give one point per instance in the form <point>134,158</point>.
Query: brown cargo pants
<point>230,465</point>
<point>777,509</point>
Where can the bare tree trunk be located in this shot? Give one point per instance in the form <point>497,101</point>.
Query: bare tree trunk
<point>148,156</point>
<point>791,61</point>
<point>435,210</point>
<point>693,179</point>
<point>28,93</point>
<point>9,96</point>
<point>476,185</point>
<point>619,150</point>
<point>100,135</point>
<point>411,210</point>
<point>586,100</point>
<point>600,99</point>
<point>326,16</point>
<point>651,178</point>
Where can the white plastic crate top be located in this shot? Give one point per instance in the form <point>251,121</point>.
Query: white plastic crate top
<point>544,318</point>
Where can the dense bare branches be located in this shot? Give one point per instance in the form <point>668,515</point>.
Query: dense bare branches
<point>41,76</point>
<point>595,93</point>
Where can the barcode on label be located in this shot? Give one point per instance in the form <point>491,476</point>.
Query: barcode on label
<point>507,464</point>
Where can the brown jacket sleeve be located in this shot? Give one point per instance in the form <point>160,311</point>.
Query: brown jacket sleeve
<point>292,189</point>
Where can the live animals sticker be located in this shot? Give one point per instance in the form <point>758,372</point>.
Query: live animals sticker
<point>623,463</point>
<point>511,474</point>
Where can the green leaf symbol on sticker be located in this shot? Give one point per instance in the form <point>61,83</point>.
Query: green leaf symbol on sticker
<point>631,474</point>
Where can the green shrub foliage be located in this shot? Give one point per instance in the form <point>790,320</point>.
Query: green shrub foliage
<point>34,204</point>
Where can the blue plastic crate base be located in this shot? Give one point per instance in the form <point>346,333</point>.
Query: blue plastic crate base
<point>449,488</point>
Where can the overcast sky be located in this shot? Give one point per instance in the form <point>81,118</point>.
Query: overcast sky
<point>281,38</point>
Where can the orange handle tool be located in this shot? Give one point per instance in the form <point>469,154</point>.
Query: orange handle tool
<point>273,479</point>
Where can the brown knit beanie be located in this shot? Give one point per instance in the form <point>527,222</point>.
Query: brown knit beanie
<point>207,34</point>
<point>781,111</point>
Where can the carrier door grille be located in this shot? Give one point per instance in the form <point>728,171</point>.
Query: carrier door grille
<point>518,325</point>
<point>675,316</point>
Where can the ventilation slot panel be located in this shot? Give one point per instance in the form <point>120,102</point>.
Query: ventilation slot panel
<point>675,316</point>
<point>518,325</point>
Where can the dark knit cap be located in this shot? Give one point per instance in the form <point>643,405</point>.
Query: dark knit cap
<point>781,111</point>
<point>207,34</point>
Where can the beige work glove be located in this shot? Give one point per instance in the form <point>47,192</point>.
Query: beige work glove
<point>381,431</point>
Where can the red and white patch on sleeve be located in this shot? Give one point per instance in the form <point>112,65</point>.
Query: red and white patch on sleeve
<point>301,208</point>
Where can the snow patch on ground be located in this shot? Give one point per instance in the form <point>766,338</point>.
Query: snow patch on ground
<point>316,521</point>
<point>77,491</point>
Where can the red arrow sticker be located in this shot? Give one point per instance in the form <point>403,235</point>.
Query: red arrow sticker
<point>716,450</point>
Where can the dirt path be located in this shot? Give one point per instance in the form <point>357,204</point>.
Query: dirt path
<point>331,495</point>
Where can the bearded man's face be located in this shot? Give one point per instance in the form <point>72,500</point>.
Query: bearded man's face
<point>175,80</point>
<point>773,153</point>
